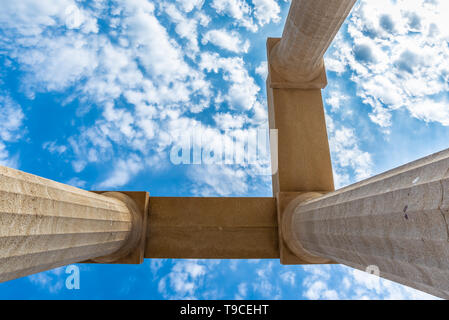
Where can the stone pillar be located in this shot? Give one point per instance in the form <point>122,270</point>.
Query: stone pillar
<point>397,221</point>
<point>45,224</point>
<point>310,28</point>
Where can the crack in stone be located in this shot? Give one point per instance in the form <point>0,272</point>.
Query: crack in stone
<point>441,209</point>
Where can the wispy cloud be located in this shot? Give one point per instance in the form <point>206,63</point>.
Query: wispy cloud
<point>52,281</point>
<point>228,40</point>
<point>11,129</point>
<point>343,283</point>
<point>397,56</point>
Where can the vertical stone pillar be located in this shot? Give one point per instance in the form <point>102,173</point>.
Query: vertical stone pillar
<point>45,224</point>
<point>296,77</point>
<point>397,221</point>
<point>310,28</point>
<point>303,148</point>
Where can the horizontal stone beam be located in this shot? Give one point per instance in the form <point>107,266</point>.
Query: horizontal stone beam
<point>218,228</point>
<point>212,228</point>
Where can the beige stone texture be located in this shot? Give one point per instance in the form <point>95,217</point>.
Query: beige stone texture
<point>310,28</point>
<point>304,162</point>
<point>136,254</point>
<point>212,228</point>
<point>396,221</point>
<point>45,224</point>
<point>276,80</point>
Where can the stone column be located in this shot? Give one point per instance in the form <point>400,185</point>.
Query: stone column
<point>45,224</point>
<point>397,221</point>
<point>310,28</point>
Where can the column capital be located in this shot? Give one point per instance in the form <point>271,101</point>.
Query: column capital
<point>288,234</point>
<point>133,250</point>
<point>135,235</point>
<point>279,78</point>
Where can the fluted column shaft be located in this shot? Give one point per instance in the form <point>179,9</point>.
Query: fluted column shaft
<point>397,221</point>
<point>310,28</point>
<point>45,224</point>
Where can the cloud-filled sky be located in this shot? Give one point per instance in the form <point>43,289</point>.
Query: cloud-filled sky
<point>98,94</point>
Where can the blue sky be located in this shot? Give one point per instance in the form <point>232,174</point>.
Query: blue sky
<point>97,93</point>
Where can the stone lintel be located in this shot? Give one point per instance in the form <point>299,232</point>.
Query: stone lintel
<point>212,228</point>
<point>220,228</point>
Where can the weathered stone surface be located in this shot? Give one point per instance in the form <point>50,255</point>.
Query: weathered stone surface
<point>304,161</point>
<point>396,221</point>
<point>45,224</point>
<point>310,28</point>
<point>277,81</point>
<point>212,228</point>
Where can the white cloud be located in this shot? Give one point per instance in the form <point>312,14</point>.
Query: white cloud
<point>142,63</point>
<point>32,17</point>
<point>336,100</point>
<point>202,18</point>
<point>430,110</point>
<point>189,5</point>
<point>261,13</point>
<point>53,147</point>
<point>52,65</point>
<point>51,61</point>
<point>226,121</point>
<point>320,283</point>
<point>218,181</point>
<point>348,158</point>
<point>160,56</point>
<point>243,91</point>
<point>262,70</point>
<point>186,28</point>
<point>319,290</point>
<point>184,279</point>
<point>264,284</point>
<point>123,172</point>
<point>242,291</point>
<point>52,281</point>
<point>77,182</point>
<point>398,56</point>
<point>239,10</point>
<point>11,129</point>
<point>228,40</point>
<point>266,11</point>
<point>156,265</point>
<point>5,158</point>
<point>289,277</point>
<point>215,177</point>
<point>11,119</point>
